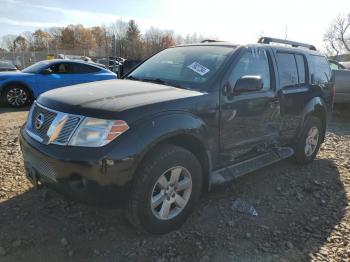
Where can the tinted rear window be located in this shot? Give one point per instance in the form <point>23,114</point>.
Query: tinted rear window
<point>321,71</point>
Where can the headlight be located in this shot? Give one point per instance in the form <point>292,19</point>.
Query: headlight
<point>94,132</point>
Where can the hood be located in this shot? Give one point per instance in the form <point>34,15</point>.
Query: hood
<point>12,74</point>
<point>105,99</point>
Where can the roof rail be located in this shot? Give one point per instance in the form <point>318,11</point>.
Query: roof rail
<point>209,41</point>
<point>268,40</point>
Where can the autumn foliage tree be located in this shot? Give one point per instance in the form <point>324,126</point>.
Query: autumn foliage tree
<point>97,40</point>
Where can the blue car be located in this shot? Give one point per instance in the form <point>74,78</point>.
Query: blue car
<point>20,88</point>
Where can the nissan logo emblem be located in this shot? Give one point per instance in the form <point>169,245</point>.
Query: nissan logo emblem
<point>39,121</point>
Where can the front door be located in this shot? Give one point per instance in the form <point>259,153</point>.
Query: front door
<point>249,122</point>
<point>61,75</point>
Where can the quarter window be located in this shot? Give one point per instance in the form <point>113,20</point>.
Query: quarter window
<point>254,62</point>
<point>83,69</point>
<point>321,71</point>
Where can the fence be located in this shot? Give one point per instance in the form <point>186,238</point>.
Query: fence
<point>27,58</point>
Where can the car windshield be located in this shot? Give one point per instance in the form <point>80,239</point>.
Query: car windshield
<point>35,68</point>
<point>187,67</point>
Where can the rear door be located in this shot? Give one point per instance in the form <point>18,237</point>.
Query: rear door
<point>293,75</point>
<point>249,122</point>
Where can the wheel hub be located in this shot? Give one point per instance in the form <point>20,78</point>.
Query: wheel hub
<point>171,193</point>
<point>311,141</point>
<point>16,97</point>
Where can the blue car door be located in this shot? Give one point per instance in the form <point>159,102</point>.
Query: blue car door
<point>56,75</point>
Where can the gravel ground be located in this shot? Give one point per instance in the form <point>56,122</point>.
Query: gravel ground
<point>303,214</point>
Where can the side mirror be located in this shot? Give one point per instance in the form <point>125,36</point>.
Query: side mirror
<point>248,84</point>
<point>46,71</point>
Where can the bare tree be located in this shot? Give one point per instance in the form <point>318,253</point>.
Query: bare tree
<point>8,42</point>
<point>337,37</point>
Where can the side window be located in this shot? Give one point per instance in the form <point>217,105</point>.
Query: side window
<point>254,62</point>
<point>287,69</point>
<point>61,68</point>
<point>301,69</point>
<point>83,69</point>
<point>321,71</point>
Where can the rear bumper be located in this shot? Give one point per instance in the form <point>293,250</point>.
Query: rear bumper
<point>94,175</point>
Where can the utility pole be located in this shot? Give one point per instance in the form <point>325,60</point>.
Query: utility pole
<point>114,53</point>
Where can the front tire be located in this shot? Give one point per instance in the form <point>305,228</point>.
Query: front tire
<point>167,186</point>
<point>16,96</point>
<point>309,143</point>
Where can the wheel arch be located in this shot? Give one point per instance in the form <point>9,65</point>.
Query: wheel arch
<point>189,135</point>
<point>316,107</point>
<point>19,83</point>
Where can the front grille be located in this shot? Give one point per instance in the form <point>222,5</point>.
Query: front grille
<point>49,116</point>
<point>41,166</point>
<point>51,119</point>
<point>67,129</point>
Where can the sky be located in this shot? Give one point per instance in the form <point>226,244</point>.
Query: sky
<point>238,21</point>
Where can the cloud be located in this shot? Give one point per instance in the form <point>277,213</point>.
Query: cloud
<point>27,23</point>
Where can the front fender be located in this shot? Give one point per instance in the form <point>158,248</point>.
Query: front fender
<point>157,129</point>
<point>10,82</point>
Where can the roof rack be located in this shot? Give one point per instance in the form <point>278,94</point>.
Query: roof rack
<point>210,41</point>
<point>268,40</point>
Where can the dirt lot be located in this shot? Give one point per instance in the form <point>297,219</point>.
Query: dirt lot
<point>303,214</point>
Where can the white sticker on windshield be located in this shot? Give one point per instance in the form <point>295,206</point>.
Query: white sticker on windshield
<point>198,68</point>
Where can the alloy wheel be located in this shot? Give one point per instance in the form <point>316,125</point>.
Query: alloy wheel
<point>17,97</point>
<point>311,141</point>
<point>171,193</point>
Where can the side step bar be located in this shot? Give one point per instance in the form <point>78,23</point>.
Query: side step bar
<point>231,172</point>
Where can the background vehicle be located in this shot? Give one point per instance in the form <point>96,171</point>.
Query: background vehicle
<point>346,64</point>
<point>7,66</point>
<point>186,119</point>
<point>19,88</point>
<point>342,83</point>
<point>335,65</point>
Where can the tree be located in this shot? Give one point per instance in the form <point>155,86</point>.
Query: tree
<point>156,40</point>
<point>133,38</point>
<point>30,39</point>
<point>119,29</point>
<point>42,40</point>
<point>67,37</point>
<point>8,42</point>
<point>21,43</point>
<point>337,37</point>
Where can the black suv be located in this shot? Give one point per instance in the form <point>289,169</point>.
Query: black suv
<point>187,118</point>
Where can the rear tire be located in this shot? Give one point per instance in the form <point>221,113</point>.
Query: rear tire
<point>309,142</point>
<point>167,186</point>
<point>16,96</point>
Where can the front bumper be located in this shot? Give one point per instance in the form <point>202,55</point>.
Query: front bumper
<point>98,176</point>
